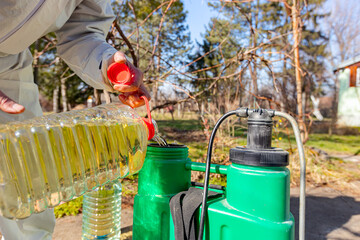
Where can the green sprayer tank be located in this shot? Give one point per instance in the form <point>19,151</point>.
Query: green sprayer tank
<point>254,205</point>
<point>163,175</point>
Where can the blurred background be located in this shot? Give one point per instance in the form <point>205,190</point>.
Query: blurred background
<point>203,58</point>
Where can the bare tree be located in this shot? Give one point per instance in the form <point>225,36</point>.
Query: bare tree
<point>295,9</point>
<point>56,99</point>
<point>343,25</point>
<point>63,94</point>
<point>234,77</point>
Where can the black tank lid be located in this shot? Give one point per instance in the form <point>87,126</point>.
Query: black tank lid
<point>259,151</point>
<point>273,157</point>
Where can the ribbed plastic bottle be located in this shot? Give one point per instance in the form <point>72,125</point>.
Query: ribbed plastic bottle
<point>50,159</point>
<point>102,212</point>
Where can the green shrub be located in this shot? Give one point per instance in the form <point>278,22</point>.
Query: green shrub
<point>73,208</point>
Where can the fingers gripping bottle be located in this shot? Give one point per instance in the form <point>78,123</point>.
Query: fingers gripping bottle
<point>51,159</point>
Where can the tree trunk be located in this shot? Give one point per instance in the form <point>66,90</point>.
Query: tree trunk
<point>35,62</point>
<point>295,20</point>
<point>284,92</point>
<point>56,99</point>
<point>202,108</point>
<point>63,94</point>
<point>227,104</point>
<point>334,106</point>
<point>107,96</point>
<point>254,83</point>
<point>154,93</point>
<point>253,67</point>
<point>97,97</point>
<point>156,85</point>
<point>179,110</point>
<point>240,91</point>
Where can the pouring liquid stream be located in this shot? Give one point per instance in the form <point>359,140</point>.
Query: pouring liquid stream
<point>157,138</point>
<point>160,140</point>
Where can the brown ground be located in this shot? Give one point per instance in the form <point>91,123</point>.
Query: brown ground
<point>184,136</point>
<point>330,214</point>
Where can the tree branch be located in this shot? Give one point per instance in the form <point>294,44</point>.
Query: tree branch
<point>131,49</point>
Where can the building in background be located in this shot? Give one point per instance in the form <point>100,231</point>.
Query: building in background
<point>348,74</point>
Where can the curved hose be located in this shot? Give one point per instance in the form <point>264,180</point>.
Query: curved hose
<point>302,171</point>
<point>207,171</point>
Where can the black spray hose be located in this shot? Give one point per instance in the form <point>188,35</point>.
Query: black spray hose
<point>207,171</point>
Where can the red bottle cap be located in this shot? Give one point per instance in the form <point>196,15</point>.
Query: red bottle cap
<point>148,121</point>
<point>119,73</point>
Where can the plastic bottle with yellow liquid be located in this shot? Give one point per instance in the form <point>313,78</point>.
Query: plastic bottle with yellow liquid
<point>51,159</point>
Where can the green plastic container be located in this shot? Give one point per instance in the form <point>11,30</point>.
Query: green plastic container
<point>255,204</point>
<point>163,175</point>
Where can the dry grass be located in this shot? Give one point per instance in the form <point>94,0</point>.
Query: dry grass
<point>322,171</point>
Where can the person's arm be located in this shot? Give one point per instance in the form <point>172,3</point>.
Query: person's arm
<point>82,44</point>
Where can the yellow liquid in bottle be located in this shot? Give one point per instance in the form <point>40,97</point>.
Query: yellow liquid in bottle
<point>134,136</point>
<point>76,160</point>
<point>33,173</point>
<point>48,165</point>
<point>106,161</point>
<point>12,181</point>
<point>62,162</point>
<point>87,152</point>
<point>120,153</point>
<point>100,150</point>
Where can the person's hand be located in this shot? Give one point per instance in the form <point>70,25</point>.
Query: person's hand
<point>10,106</point>
<point>130,94</point>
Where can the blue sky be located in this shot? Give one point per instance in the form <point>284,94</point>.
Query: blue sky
<point>199,15</point>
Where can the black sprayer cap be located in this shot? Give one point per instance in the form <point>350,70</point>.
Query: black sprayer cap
<point>259,130</point>
<point>259,151</point>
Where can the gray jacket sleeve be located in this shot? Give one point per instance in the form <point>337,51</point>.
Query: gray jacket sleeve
<point>82,45</point>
